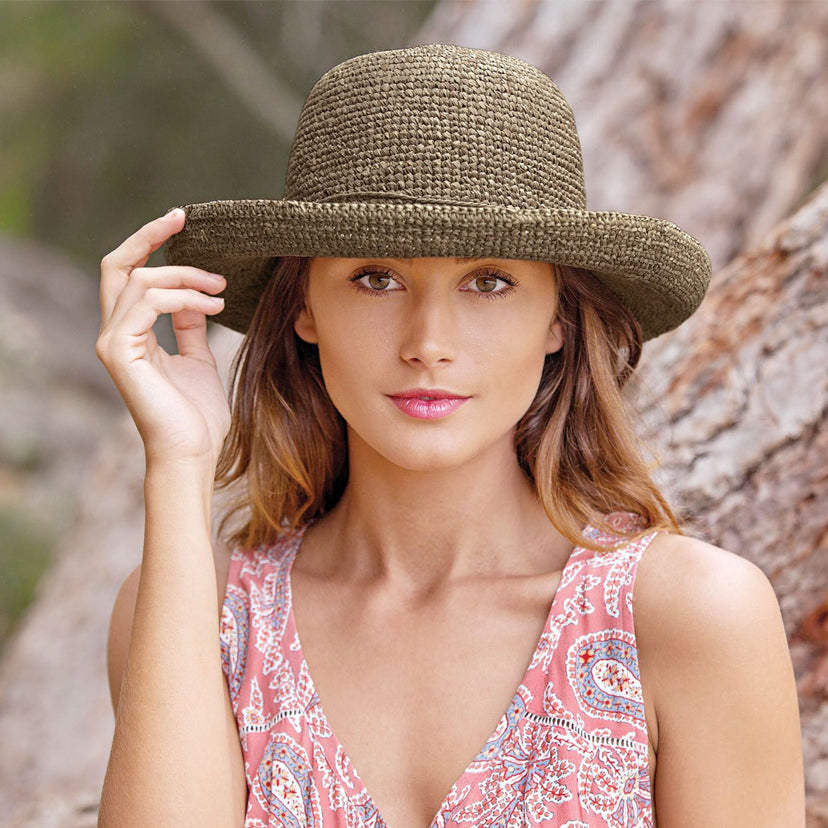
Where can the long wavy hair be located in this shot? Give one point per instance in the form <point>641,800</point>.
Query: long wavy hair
<point>285,458</point>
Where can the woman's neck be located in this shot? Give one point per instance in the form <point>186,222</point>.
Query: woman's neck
<point>420,528</point>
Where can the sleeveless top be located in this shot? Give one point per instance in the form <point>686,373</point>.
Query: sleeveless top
<point>571,751</point>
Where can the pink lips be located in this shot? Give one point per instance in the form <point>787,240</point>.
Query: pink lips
<point>427,403</point>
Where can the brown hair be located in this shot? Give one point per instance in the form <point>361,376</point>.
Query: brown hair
<point>287,445</point>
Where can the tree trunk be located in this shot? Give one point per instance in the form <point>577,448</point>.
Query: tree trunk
<point>715,118</point>
<point>734,404</point>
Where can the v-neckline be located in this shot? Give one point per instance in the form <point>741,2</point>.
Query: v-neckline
<point>335,750</point>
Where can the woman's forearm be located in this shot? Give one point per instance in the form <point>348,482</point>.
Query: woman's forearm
<point>170,763</point>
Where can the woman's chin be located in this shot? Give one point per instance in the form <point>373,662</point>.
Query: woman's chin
<point>430,454</point>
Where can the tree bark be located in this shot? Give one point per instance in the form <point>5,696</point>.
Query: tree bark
<point>715,118</point>
<point>735,404</point>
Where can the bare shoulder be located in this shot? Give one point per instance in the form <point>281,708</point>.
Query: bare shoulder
<point>715,663</point>
<point>692,589</point>
<point>120,629</point>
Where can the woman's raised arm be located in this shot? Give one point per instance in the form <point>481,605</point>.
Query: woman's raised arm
<point>173,761</point>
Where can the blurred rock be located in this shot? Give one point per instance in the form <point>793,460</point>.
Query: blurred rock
<point>56,396</point>
<point>55,713</point>
<point>56,401</point>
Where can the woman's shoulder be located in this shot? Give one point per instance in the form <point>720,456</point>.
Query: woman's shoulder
<point>692,591</point>
<point>718,682</point>
<point>711,641</point>
<point>685,589</point>
<point>222,553</point>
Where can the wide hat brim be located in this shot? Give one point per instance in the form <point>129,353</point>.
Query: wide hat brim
<point>654,268</point>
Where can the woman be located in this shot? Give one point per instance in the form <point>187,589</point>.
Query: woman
<point>435,483</point>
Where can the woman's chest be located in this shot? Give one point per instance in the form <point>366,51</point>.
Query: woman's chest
<point>408,708</point>
<point>413,693</point>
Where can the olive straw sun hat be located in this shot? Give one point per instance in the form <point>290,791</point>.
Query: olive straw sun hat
<point>441,150</point>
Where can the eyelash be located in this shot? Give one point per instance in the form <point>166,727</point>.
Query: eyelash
<point>484,272</point>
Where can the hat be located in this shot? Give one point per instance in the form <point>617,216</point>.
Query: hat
<point>441,150</point>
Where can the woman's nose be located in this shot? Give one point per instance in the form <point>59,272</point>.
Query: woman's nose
<point>429,333</point>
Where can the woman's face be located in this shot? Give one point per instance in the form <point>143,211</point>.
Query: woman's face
<point>431,361</point>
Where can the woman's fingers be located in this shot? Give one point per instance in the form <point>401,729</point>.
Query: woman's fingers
<point>190,328</point>
<point>138,320</point>
<point>142,279</point>
<point>134,296</point>
<point>179,405</point>
<point>189,324</point>
<point>131,253</point>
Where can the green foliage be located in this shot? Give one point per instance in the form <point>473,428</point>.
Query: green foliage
<point>109,114</point>
<point>25,552</point>
<point>49,53</point>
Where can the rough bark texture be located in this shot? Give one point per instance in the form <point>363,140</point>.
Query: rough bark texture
<point>736,406</point>
<point>712,116</point>
<point>707,117</point>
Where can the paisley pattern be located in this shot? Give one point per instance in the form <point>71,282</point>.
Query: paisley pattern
<point>234,634</point>
<point>570,751</point>
<point>603,669</point>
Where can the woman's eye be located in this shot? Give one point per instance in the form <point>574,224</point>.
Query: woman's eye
<point>379,283</point>
<point>489,283</point>
<point>374,281</point>
<point>486,284</point>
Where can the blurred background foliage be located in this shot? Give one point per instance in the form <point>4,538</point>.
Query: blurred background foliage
<point>110,113</point>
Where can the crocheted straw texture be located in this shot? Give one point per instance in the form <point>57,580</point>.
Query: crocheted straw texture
<point>441,150</point>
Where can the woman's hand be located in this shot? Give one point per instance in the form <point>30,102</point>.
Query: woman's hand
<point>178,402</point>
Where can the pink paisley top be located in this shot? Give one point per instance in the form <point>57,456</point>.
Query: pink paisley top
<point>570,751</point>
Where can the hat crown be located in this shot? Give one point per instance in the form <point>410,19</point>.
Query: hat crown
<point>439,124</point>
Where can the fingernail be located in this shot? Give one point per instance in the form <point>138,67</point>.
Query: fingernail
<point>174,213</point>
<point>217,298</point>
<point>217,276</point>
